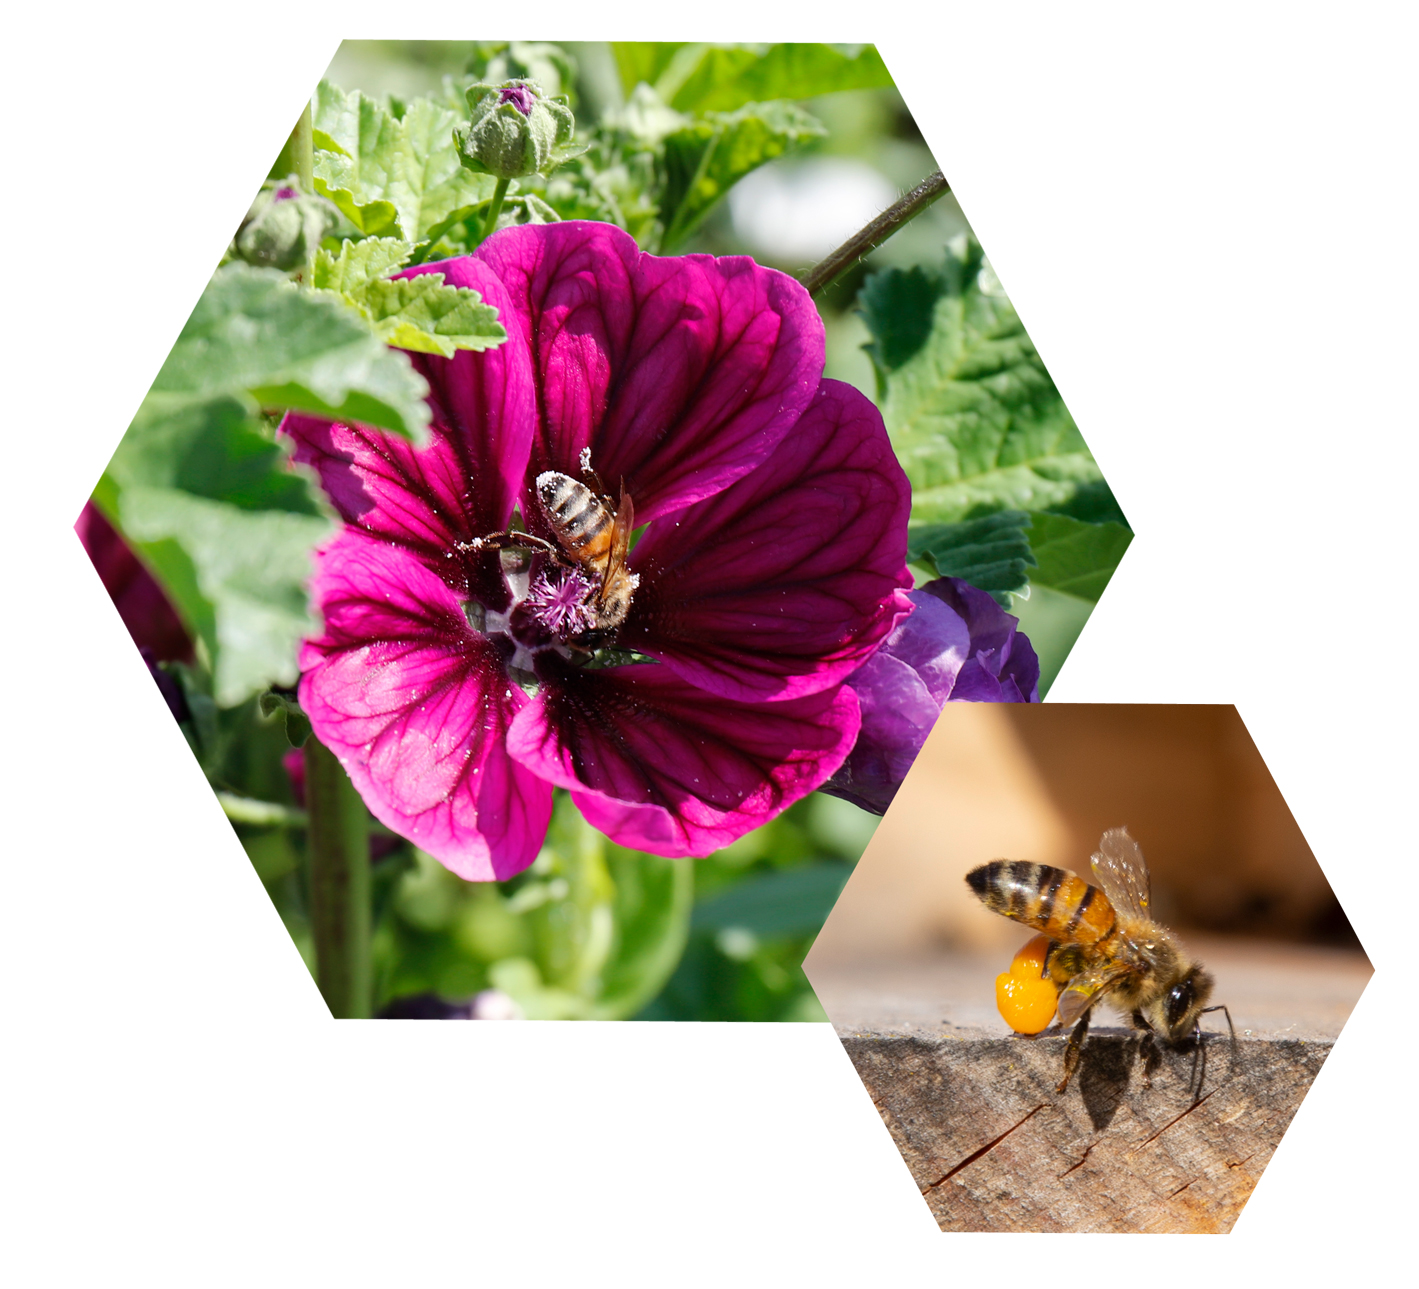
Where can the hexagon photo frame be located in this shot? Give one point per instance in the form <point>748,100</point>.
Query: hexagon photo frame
<point>384,488</point>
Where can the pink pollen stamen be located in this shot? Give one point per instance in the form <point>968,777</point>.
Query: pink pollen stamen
<point>563,606</point>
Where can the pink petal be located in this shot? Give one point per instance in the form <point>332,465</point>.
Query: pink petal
<point>659,765</point>
<point>788,580</point>
<point>680,374</point>
<point>416,704</point>
<point>465,483</point>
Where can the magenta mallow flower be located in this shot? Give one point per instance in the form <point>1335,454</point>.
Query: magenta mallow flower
<point>459,679</point>
<point>958,645</point>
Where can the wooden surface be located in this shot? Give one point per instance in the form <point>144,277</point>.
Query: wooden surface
<point>993,1147</point>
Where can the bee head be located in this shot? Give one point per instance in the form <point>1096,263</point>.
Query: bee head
<point>1185,1000</point>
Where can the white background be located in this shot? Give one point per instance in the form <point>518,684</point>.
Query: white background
<point>1205,218</point>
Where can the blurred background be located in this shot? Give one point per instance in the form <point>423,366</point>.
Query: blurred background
<point>1042,782</point>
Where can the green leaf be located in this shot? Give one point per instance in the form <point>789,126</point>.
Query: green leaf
<point>1076,558</point>
<point>207,495</point>
<point>216,449</point>
<point>992,553</point>
<point>421,313</point>
<point>392,176</point>
<point>296,722</point>
<point>255,336</point>
<point>793,901</point>
<point>899,309</point>
<point>976,421</point>
<point>723,77</point>
<point>249,570</point>
<point>424,314</point>
<point>642,61</point>
<point>358,262</point>
<point>707,158</point>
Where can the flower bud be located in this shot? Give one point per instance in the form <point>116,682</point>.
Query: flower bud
<point>515,130</point>
<point>284,226</point>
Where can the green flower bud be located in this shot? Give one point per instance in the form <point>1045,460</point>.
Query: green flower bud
<point>284,226</point>
<point>515,130</point>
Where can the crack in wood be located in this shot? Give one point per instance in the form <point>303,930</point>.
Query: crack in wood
<point>1087,1152</point>
<point>1201,1101</point>
<point>989,1146</point>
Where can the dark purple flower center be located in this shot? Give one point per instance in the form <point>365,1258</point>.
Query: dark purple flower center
<point>283,194</point>
<point>519,96</point>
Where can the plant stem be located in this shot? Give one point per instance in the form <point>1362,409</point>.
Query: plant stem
<point>248,810</point>
<point>338,839</point>
<point>823,275</point>
<point>491,222</point>
<point>303,150</point>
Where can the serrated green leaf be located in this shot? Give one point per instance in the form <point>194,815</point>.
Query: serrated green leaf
<point>358,262</point>
<point>992,553</point>
<point>325,143</point>
<point>424,314</point>
<point>899,309</point>
<point>253,335</point>
<point>723,77</point>
<point>1076,558</point>
<point>249,570</point>
<point>976,421</point>
<point>707,158</point>
<point>394,176</point>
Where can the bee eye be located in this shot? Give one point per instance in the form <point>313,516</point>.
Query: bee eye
<point>1180,998</point>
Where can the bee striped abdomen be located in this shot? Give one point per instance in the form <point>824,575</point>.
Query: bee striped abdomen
<point>1061,905</point>
<point>582,523</point>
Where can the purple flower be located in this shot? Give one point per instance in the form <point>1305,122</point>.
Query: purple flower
<point>457,688</point>
<point>958,645</point>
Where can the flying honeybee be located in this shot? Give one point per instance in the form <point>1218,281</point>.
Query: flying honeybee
<point>1104,944</point>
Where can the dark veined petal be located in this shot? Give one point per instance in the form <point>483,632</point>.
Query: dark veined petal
<point>659,765</point>
<point>415,704</point>
<point>465,483</point>
<point>679,373</point>
<point>785,582</point>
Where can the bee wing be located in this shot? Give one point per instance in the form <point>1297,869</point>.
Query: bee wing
<point>621,527</point>
<point>1088,988</point>
<point>1122,874</point>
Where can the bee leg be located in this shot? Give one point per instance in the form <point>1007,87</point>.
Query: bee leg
<point>528,541</point>
<point>1073,1050</point>
<point>1199,1064</point>
<point>1230,1028</point>
<point>1148,1048</point>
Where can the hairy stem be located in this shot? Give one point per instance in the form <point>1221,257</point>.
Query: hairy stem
<point>495,207</point>
<point>338,840</point>
<point>823,275</point>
